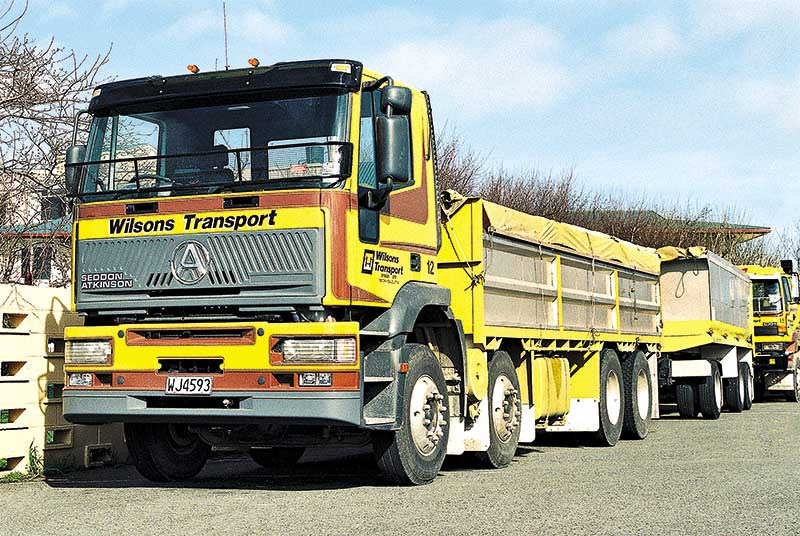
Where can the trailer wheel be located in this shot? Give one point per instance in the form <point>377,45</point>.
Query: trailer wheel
<point>277,460</point>
<point>638,396</point>
<point>735,392</point>
<point>612,408</point>
<point>709,394</point>
<point>686,398</point>
<point>504,413</point>
<point>166,452</point>
<point>747,374</point>
<point>415,453</point>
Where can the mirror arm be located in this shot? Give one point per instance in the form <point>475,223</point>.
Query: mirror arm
<point>376,199</point>
<point>75,125</point>
<point>371,86</point>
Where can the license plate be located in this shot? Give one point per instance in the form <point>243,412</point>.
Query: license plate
<point>189,385</point>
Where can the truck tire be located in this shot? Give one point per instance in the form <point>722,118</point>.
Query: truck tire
<point>794,394</point>
<point>686,398</point>
<point>735,393</point>
<point>415,453</point>
<point>166,452</point>
<point>638,391</point>
<point>760,393</point>
<point>612,407</point>
<point>709,394</point>
<point>504,413</point>
<point>747,374</point>
<point>277,460</point>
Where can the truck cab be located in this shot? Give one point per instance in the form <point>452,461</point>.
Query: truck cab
<point>775,327</point>
<point>254,253</point>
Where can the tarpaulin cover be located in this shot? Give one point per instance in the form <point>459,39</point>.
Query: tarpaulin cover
<point>592,244</point>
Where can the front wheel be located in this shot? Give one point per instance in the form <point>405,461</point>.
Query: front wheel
<point>414,454</point>
<point>505,412</point>
<point>166,452</point>
<point>794,394</point>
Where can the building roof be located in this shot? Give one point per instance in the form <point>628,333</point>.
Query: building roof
<point>61,227</point>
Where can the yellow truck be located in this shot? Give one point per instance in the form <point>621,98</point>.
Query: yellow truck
<point>775,324</point>
<point>264,262</point>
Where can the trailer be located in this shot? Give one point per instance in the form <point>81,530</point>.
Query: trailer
<point>707,345</point>
<point>575,312</point>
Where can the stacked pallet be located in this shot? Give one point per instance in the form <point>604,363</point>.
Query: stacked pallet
<point>32,427</point>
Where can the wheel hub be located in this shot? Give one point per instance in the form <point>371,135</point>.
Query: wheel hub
<point>505,408</point>
<point>428,415</point>
<point>642,395</point>
<point>613,397</point>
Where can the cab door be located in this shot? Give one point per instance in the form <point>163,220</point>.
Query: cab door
<point>397,242</point>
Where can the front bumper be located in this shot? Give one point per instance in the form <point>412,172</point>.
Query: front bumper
<point>249,384</point>
<point>101,406</point>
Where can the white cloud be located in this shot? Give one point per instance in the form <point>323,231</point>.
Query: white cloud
<point>483,66</point>
<point>258,26</point>
<point>59,10</point>
<point>724,18</point>
<point>776,99</point>
<point>645,40</point>
<point>193,24</point>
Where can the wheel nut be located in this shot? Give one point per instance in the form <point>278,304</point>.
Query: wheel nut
<point>426,407</point>
<point>426,422</point>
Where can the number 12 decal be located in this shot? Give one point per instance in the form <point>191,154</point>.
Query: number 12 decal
<point>430,267</point>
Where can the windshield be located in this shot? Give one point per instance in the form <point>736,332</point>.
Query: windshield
<point>767,296</point>
<point>286,142</point>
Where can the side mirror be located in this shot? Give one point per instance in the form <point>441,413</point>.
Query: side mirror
<point>393,148</point>
<point>76,155</point>
<point>396,100</point>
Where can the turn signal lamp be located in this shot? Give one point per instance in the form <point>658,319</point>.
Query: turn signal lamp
<point>254,62</point>
<point>194,69</point>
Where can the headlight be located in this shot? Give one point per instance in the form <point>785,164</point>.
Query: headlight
<point>83,352</point>
<point>773,346</point>
<point>333,350</point>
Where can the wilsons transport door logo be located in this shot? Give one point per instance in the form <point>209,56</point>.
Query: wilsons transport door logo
<point>190,262</point>
<point>386,266</point>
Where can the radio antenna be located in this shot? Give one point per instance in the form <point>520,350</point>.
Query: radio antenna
<point>225,31</point>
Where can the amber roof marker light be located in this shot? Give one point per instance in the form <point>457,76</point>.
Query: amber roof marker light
<point>254,62</point>
<point>194,69</point>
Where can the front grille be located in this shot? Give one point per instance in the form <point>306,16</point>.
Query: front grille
<point>765,330</point>
<point>262,268</point>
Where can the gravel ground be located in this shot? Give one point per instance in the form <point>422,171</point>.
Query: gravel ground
<point>737,475</point>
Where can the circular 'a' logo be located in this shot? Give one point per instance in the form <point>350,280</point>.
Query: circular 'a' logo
<point>190,262</point>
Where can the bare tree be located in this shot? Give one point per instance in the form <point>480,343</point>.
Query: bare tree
<point>42,87</point>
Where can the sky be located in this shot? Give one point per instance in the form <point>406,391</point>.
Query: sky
<point>681,101</point>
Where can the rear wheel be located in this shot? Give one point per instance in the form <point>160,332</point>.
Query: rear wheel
<point>504,413</point>
<point>638,396</point>
<point>611,400</point>
<point>686,398</point>
<point>277,459</point>
<point>735,392</point>
<point>166,452</point>
<point>747,374</point>
<point>709,394</point>
<point>415,453</point>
